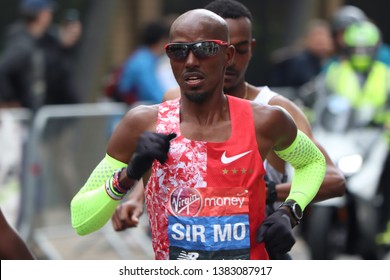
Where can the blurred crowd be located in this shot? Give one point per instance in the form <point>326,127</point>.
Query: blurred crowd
<point>342,57</point>
<point>36,64</point>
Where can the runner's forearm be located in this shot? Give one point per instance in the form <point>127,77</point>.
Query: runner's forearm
<point>92,206</point>
<point>309,169</point>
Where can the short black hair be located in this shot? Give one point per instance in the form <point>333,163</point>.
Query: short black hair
<point>154,32</point>
<point>229,9</point>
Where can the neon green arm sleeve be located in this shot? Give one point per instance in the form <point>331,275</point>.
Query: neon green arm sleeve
<point>309,169</point>
<point>92,207</point>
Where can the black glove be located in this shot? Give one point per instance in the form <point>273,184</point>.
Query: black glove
<point>150,146</point>
<point>276,232</point>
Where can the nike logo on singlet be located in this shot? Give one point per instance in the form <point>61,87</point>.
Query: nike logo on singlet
<point>227,160</point>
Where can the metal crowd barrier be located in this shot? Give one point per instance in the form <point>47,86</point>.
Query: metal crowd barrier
<point>14,124</point>
<point>64,144</point>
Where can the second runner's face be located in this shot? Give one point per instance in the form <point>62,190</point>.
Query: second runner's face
<point>240,31</point>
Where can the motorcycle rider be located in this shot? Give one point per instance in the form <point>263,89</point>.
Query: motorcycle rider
<point>341,19</point>
<point>364,81</point>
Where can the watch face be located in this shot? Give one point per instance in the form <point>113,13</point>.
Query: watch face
<point>297,211</point>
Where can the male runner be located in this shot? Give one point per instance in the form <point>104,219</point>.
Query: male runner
<point>206,186</point>
<point>239,20</point>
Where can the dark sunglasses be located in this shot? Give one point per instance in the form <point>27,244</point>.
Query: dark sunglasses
<point>203,49</point>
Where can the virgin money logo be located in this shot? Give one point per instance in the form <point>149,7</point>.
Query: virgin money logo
<point>185,202</point>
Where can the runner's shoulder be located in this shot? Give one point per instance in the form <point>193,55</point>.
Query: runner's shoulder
<point>141,114</point>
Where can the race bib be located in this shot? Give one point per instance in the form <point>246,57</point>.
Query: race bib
<point>208,223</point>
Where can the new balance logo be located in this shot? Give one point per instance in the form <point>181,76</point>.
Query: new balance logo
<point>226,160</point>
<point>188,256</point>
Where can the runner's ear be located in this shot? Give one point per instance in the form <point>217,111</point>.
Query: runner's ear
<point>230,52</point>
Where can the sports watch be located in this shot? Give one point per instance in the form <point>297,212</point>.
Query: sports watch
<point>295,209</point>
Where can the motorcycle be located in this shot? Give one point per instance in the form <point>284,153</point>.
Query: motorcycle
<point>348,225</point>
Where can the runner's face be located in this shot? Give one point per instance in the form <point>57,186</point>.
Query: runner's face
<point>241,37</point>
<point>198,77</point>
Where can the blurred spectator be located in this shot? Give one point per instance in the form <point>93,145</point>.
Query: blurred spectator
<point>139,76</point>
<point>35,67</point>
<point>295,66</point>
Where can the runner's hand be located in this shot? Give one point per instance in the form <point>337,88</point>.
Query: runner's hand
<point>150,146</point>
<point>127,215</point>
<point>276,233</point>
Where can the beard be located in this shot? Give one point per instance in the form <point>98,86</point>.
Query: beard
<point>197,98</point>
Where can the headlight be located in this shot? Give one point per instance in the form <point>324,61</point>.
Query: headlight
<point>350,164</point>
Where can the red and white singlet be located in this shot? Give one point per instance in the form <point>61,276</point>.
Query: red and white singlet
<point>208,200</point>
